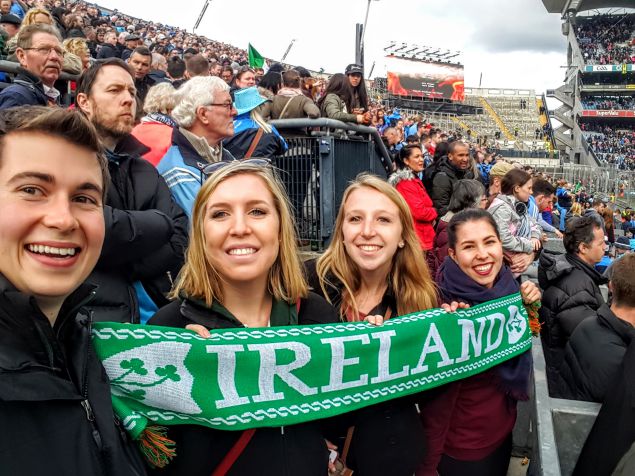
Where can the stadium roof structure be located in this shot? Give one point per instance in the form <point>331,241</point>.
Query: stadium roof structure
<point>575,6</point>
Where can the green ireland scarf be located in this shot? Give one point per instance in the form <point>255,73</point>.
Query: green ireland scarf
<point>250,378</point>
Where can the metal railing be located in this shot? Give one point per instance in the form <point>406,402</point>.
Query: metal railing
<point>324,155</point>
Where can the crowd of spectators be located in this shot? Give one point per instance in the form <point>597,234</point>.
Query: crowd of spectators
<point>191,107</point>
<point>612,144</point>
<point>607,39</point>
<point>608,103</point>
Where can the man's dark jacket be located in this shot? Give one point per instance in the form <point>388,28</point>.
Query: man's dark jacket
<point>593,355</point>
<point>26,90</point>
<point>146,236</point>
<point>144,84</point>
<point>614,430</point>
<point>439,179</point>
<point>571,294</point>
<point>55,403</point>
<point>107,51</point>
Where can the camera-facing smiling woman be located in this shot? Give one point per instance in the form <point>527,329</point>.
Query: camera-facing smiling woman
<point>469,424</point>
<point>374,270</point>
<point>243,270</point>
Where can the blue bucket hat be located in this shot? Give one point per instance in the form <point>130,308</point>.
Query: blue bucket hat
<point>247,99</point>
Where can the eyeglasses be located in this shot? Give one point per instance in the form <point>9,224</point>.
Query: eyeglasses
<point>46,50</point>
<point>227,105</point>
<point>216,166</point>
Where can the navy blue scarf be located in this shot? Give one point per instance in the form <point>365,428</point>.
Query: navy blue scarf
<point>455,285</point>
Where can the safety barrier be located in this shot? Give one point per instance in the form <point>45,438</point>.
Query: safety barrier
<point>324,155</point>
<point>559,427</point>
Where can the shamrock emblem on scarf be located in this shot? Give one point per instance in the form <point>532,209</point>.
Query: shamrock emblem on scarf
<point>137,366</point>
<point>155,374</point>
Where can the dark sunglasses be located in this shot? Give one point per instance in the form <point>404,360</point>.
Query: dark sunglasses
<point>216,166</point>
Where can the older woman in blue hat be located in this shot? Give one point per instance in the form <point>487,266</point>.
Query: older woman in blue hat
<point>253,137</point>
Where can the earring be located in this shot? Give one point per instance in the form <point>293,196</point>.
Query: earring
<point>401,244</point>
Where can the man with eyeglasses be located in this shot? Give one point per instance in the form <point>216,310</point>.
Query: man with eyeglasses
<point>205,117</point>
<point>39,51</point>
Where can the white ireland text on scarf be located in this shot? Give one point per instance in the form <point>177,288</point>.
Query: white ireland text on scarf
<point>249,378</point>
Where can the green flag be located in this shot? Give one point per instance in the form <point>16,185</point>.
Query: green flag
<point>256,60</point>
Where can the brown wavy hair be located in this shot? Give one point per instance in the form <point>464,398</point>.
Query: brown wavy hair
<point>409,277</point>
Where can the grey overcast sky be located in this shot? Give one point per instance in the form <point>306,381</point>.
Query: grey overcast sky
<point>513,43</point>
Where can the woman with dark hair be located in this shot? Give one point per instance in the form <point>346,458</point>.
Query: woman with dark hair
<point>519,233</point>
<point>359,97</point>
<point>270,84</point>
<point>469,425</point>
<point>334,103</point>
<point>406,180</point>
<point>466,193</point>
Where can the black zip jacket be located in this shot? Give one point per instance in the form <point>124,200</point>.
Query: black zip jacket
<point>146,236</point>
<point>571,294</point>
<point>593,355</point>
<point>388,437</point>
<point>282,451</point>
<point>55,404</point>
<point>439,179</point>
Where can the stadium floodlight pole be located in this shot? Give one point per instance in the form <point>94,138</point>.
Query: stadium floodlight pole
<point>359,56</point>
<point>200,16</point>
<point>366,20</point>
<point>284,56</point>
<point>371,70</point>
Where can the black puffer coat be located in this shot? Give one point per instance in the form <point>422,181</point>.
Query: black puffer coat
<point>439,179</point>
<point>593,355</point>
<point>614,430</point>
<point>146,236</point>
<point>56,415</point>
<point>571,295</point>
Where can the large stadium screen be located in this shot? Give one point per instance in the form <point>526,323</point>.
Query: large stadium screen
<point>407,77</point>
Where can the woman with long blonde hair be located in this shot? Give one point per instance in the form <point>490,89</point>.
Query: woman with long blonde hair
<point>374,267</point>
<point>243,270</point>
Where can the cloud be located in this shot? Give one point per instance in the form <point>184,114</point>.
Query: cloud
<point>496,27</point>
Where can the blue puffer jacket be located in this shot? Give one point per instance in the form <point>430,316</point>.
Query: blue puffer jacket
<point>26,90</point>
<point>182,168</point>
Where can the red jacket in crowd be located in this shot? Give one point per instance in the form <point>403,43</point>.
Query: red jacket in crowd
<point>421,207</point>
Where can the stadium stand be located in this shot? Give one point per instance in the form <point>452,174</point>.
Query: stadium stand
<point>599,91</point>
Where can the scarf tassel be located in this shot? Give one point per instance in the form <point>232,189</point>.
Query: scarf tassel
<point>534,322</point>
<point>156,447</point>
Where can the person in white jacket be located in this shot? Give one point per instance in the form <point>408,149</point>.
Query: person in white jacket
<point>520,234</point>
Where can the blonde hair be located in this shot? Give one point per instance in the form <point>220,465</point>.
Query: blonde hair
<point>160,98</point>
<point>200,280</point>
<point>77,46</point>
<point>576,209</point>
<point>258,119</point>
<point>29,17</point>
<point>409,277</point>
